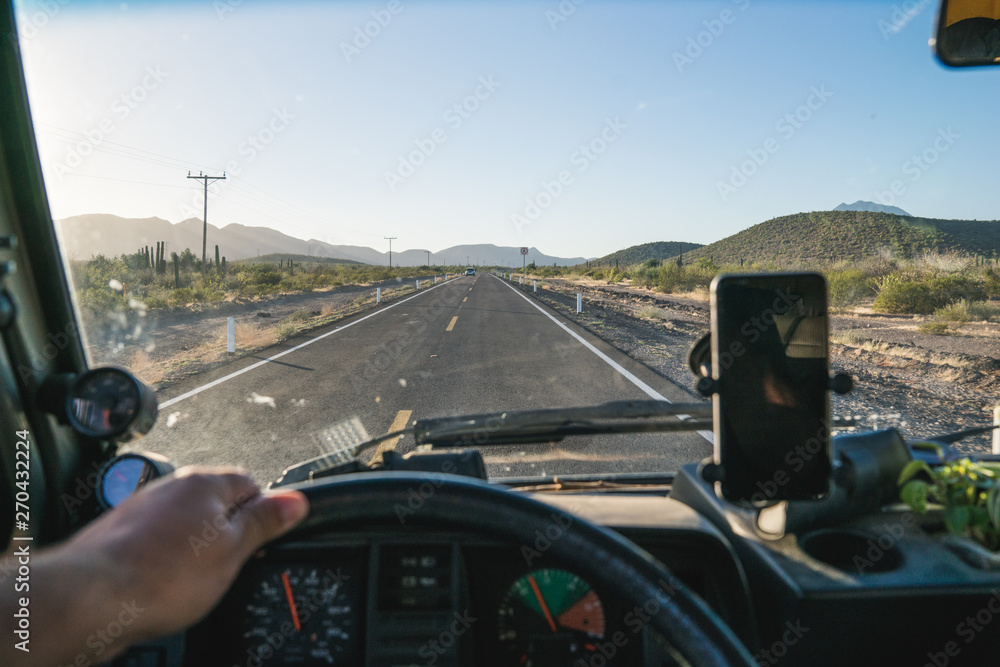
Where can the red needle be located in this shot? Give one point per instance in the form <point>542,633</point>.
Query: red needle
<point>291,601</point>
<point>541,601</point>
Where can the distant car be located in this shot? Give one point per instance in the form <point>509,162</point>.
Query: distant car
<point>470,272</point>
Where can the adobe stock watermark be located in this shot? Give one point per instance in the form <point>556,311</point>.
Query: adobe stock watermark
<point>121,108</point>
<point>635,620</point>
<point>223,7</point>
<point>30,24</point>
<point>56,342</point>
<point>562,12</point>
<point>433,649</point>
<point>363,35</point>
<point>918,165</point>
<point>385,355</point>
<point>581,158</point>
<point>212,530</point>
<point>886,540</point>
<point>697,44</point>
<point>102,639</point>
<point>786,127</point>
<point>249,149</point>
<point>454,116</point>
<point>757,326</point>
<point>772,654</point>
<point>900,16</point>
<point>418,496</point>
<point>318,600</point>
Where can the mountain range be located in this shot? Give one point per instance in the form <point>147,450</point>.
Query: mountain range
<point>85,236</point>
<point>873,207</point>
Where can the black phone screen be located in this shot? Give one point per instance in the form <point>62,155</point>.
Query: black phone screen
<point>770,361</point>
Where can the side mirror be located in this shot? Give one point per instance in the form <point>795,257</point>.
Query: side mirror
<point>968,33</point>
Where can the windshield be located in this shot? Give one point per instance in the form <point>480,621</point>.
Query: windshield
<point>305,224</point>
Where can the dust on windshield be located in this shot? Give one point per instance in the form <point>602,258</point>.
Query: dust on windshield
<point>306,225</point>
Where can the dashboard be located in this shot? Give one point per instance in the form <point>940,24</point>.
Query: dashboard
<point>394,597</point>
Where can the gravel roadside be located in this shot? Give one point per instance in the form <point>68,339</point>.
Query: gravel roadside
<point>922,385</point>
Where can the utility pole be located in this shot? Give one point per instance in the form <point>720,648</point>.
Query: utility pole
<point>204,218</point>
<point>428,257</point>
<point>390,239</point>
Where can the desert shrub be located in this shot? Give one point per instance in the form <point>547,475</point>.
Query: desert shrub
<point>154,301</point>
<point>991,282</point>
<point>966,311</point>
<point>98,300</point>
<point>206,295</point>
<point>953,312</point>
<point>954,287</point>
<point>652,313</point>
<point>300,315</point>
<point>285,331</point>
<point>934,328</point>
<point>265,275</point>
<point>981,311</point>
<point>180,297</point>
<point>848,287</point>
<point>645,275</point>
<point>900,293</point>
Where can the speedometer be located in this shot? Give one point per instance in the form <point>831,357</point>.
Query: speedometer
<point>302,615</point>
<point>550,618</point>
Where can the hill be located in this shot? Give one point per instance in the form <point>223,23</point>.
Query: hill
<point>872,206</point>
<point>84,236</point>
<point>828,236</point>
<point>301,260</point>
<point>638,254</point>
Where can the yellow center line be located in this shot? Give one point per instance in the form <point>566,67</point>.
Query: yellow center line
<point>400,422</point>
<point>451,325</point>
<point>465,299</point>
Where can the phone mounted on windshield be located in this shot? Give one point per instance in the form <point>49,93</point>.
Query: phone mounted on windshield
<point>769,384</point>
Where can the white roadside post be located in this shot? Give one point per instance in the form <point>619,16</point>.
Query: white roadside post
<point>535,287</point>
<point>996,432</point>
<point>579,302</point>
<point>418,283</point>
<point>231,335</point>
<point>378,295</point>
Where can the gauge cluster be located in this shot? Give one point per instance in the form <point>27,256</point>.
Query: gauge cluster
<point>419,601</point>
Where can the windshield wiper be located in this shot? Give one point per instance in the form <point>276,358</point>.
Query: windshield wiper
<point>554,424</point>
<point>519,427</point>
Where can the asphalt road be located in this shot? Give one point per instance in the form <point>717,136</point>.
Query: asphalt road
<point>470,345</point>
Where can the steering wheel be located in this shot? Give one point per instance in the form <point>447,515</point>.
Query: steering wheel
<point>471,505</point>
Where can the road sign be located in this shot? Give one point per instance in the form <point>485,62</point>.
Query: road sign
<point>524,251</point>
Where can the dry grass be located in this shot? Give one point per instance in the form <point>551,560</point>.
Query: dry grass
<point>654,313</point>
<point>144,368</point>
<point>904,351</point>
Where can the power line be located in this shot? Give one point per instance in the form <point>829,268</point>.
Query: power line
<point>204,233</point>
<point>390,239</point>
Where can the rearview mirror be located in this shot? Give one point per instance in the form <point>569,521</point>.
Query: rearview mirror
<point>968,33</point>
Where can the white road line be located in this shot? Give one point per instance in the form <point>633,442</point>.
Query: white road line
<point>225,378</point>
<point>628,375</point>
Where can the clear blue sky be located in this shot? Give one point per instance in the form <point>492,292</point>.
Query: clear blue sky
<point>673,130</point>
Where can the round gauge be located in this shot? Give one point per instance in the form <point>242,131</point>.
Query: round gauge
<point>109,402</point>
<point>126,473</point>
<point>302,615</point>
<point>550,617</point>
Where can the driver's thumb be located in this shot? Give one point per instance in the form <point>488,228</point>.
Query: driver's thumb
<point>272,515</point>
